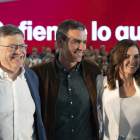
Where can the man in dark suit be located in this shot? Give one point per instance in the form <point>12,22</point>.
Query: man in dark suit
<point>20,111</point>
<point>68,88</point>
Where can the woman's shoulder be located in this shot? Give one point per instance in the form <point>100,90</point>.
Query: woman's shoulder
<point>101,80</point>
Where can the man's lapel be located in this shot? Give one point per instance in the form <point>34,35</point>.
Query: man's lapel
<point>31,83</point>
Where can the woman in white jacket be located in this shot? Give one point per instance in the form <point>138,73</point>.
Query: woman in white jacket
<point>118,93</point>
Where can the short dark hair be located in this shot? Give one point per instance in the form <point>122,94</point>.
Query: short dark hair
<point>64,27</point>
<point>10,29</point>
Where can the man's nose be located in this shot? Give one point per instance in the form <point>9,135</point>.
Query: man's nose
<point>82,46</point>
<point>17,50</point>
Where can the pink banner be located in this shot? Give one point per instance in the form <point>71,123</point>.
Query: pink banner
<point>106,22</point>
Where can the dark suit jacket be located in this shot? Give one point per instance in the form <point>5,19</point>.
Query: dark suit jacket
<point>49,88</point>
<point>33,84</point>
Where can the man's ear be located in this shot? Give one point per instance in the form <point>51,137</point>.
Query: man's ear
<point>60,42</point>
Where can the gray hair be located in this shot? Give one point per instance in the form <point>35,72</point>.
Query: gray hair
<point>10,29</point>
<point>64,27</point>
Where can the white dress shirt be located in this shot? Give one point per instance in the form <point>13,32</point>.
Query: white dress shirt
<point>17,108</point>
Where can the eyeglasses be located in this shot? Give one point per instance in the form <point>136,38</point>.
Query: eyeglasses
<point>13,48</point>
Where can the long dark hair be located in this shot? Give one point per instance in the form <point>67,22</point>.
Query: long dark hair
<point>117,58</point>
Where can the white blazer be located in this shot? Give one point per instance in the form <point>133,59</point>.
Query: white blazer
<point>109,102</point>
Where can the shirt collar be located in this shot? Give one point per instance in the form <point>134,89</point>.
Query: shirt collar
<point>22,73</point>
<point>61,69</point>
<point>4,75</point>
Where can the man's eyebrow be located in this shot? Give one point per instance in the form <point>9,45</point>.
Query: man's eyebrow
<point>79,40</point>
<point>16,44</point>
<point>75,39</point>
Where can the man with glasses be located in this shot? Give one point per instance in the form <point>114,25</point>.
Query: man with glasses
<point>20,112</point>
<point>68,88</point>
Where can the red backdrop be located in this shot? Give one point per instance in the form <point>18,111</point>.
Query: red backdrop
<point>106,21</point>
